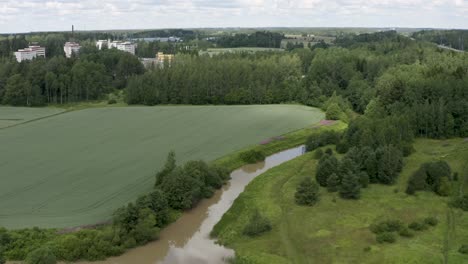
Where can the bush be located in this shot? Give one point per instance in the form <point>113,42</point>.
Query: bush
<point>329,137</point>
<point>406,232</point>
<point>417,226</point>
<point>387,226</point>
<point>112,101</point>
<point>307,192</point>
<point>318,154</point>
<point>329,151</point>
<point>252,156</point>
<point>461,203</point>
<point>386,237</point>
<point>41,255</point>
<point>432,221</point>
<point>455,176</point>
<point>463,249</point>
<point>333,112</point>
<point>257,225</point>
<point>364,179</point>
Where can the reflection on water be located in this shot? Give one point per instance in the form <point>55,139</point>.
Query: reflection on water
<point>187,240</point>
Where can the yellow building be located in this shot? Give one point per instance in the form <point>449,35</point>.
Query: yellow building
<point>161,57</point>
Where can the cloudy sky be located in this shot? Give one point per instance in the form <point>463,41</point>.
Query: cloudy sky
<point>51,15</point>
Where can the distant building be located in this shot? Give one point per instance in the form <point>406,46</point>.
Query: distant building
<point>161,58</point>
<point>101,43</point>
<point>30,53</point>
<point>70,48</point>
<point>120,45</point>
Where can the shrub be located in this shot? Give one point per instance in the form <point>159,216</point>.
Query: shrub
<point>257,225</point>
<point>387,226</point>
<point>367,249</point>
<point>417,226</point>
<point>406,232</point>
<point>307,192</point>
<point>350,187</point>
<point>461,203</point>
<point>463,249</point>
<point>329,151</point>
<point>455,176</point>
<point>333,183</point>
<point>327,166</point>
<point>432,221</point>
<point>322,139</point>
<point>41,255</point>
<point>333,112</point>
<point>252,156</point>
<point>386,237</point>
<point>364,179</point>
<point>112,101</point>
<point>318,154</point>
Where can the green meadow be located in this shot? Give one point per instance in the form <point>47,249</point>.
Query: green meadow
<point>77,167</point>
<point>336,230</point>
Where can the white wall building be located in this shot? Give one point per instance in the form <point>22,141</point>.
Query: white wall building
<point>120,45</point>
<point>70,48</point>
<point>30,53</point>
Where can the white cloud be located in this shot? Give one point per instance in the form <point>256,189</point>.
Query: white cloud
<point>38,15</point>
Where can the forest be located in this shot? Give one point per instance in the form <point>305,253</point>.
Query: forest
<point>457,39</point>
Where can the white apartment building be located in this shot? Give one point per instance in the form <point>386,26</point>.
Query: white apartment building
<point>120,45</point>
<point>70,48</point>
<point>30,53</point>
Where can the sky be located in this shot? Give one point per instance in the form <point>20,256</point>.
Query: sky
<point>59,15</point>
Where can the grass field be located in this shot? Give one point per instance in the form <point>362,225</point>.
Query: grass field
<point>336,230</point>
<point>76,168</point>
<point>10,116</point>
<point>216,51</point>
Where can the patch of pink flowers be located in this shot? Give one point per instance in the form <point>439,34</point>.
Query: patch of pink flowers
<point>266,141</point>
<point>327,122</point>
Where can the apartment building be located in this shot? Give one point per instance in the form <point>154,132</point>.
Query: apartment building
<point>30,53</point>
<point>71,48</point>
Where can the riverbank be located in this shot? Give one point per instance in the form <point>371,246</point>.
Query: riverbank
<point>337,230</point>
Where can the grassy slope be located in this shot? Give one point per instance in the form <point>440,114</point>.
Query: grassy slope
<point>77,167</point>
<point>337,232</point>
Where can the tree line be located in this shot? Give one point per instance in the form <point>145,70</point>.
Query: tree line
<point>59,80</point>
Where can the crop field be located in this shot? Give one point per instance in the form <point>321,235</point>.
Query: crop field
<point>75,168</point>
<point>336,230</point>
<point>10,116</point>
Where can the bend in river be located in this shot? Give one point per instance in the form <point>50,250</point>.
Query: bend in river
<point>187,240</point>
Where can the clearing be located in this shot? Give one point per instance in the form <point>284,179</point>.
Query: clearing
<point>337,230</point>
<point>77,167</point>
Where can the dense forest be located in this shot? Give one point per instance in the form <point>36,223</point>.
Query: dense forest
<point>258,39</point>
<point>457,39</point>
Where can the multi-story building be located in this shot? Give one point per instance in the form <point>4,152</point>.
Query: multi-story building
<point>71,48</point>
<point>101,43</point>
<point>30,53</point>
<point>126,46</point>
<point>161,58</point>
<point>120,45</point>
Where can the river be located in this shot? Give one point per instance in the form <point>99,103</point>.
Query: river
<point>187,240</point>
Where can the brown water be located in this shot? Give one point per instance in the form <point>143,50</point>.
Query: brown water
<point>187,240</point>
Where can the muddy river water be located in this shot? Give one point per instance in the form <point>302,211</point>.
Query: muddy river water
<point>187,240</point>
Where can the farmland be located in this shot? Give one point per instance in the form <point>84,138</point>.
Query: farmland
<point>337,230</point>
<point>77,167</point>
<point>10,116</point>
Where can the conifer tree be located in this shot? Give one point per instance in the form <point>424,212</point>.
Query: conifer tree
<point>350,187</point>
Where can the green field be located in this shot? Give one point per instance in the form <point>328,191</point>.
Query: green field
<point>77,167</point>
<point>337,230</point>
<point>216,51</point>
<point>10,116</point>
